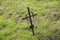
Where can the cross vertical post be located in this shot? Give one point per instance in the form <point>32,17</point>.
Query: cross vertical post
<point>32,26</point>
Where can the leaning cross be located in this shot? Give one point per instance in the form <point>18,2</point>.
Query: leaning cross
<point>32,26</point>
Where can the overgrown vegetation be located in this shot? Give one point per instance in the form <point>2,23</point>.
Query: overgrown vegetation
<point>47,22</point>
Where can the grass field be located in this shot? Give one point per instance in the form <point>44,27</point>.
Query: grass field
<point>47,26</point>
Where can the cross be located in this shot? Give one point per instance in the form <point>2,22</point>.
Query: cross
<point>31,24</point>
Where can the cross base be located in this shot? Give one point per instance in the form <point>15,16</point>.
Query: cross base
<point>32,28</point>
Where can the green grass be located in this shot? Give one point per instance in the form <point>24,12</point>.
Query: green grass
<point>12,27</point>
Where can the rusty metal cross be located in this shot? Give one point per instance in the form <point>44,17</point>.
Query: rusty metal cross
<point>32,26</point>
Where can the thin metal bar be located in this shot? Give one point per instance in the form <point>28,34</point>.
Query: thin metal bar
<point>32,26</point>
<point>29,15</point>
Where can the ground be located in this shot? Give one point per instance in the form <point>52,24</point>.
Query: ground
<point>46,23</point>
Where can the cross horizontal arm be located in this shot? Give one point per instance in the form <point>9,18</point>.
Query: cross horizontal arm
<point>28,16</point>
